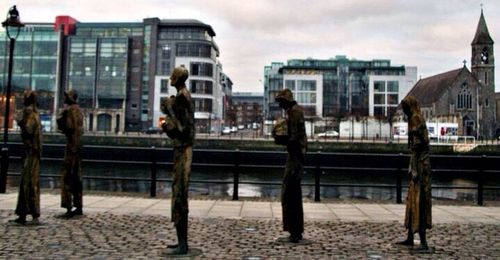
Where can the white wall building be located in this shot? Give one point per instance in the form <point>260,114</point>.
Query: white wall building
<point>387,91</point>
<point>307,90</point>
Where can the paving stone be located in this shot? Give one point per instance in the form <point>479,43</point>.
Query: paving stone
<point>136,228</point>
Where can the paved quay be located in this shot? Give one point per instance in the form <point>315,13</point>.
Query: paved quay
<point>117,227</point>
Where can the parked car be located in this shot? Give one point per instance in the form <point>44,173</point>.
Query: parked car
<point>240,127</point>
<point>234,129</point>
<point>329,134</point>
<point>226,130</point>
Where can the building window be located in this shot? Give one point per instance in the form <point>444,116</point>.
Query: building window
<point>392,99</point>
<point>487,102</point>
<point>379,99</point>
<point>290,84</point>
<point>379,86</point>
<point>201,87</point>
<point>164,86</point>
<point>306,85</point>
<point>201,69</point>
<point>165,51</point>
<point>464,98</point>
<point>202,105</point>
<point>305,98</point>
<point>164,68</point>
<point>193,50</point>
<point>392,86</point>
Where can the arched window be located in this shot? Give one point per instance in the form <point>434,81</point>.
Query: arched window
<point>464,98</point>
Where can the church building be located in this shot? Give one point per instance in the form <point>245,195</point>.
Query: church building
<point>464,96</point>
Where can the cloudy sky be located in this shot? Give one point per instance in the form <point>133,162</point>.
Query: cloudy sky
<point>433,35</point>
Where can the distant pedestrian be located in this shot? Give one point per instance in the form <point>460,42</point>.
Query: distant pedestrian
<point>70,123</point>
<point>179,125</point>
<point>292,134</point>
<point>28,201</point>
<point>418,217</point>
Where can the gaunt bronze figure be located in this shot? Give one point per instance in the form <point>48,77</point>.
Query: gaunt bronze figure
<point>418,217</point>
<point>70,123</point>
<point>292,134</point>
<point>179,126</point>
<point>28,201</point>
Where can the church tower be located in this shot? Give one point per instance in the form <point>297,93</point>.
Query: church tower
<point>483,68</point>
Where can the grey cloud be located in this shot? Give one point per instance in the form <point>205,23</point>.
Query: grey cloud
<point>433,35</point>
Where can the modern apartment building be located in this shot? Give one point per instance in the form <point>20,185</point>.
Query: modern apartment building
<point>339,87</point>
<point>120,70</point>
<point>248,108</point>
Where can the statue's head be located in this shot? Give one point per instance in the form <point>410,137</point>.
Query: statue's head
<point>179,76</point>
<point>29,98</point>
<point>410,106</point>
<point>284,98</point>
<point>70,96</point>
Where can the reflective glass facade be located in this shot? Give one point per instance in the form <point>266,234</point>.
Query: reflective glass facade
<point>82,69</point>
<point>116,68</point>
<point>345,84</point>
<point>34,67</point>
<point>112,78</point>
<point>104,66</point>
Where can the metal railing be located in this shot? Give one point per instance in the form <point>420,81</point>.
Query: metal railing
<point>480,167</point>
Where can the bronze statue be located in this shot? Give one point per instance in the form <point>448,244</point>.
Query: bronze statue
<point>179,126</point>
<point>418,215</point>
<point>292,134</point>
<point>70,123</point>
<point>28,201</point>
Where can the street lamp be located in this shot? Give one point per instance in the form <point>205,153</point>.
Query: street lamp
<point>12,22</point>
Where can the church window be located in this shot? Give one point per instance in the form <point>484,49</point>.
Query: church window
<point>484,56</point>
<point>486,102</point>
<point>464,98</point>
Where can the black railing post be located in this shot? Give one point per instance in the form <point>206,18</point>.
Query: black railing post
<point>152,191</point>
<point>480,188</point>
<point>399,188</point>
<point>4,169</point>
<point>236,174</point>
<point>317,178</point>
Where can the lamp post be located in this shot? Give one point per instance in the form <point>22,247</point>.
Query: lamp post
<point>12,21</point>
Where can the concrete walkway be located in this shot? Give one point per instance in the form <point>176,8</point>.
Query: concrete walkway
<point>127,227</point>
<point>348,212</point>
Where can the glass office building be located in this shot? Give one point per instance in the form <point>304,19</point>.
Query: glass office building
<point>34,67</point>
<point>339,87</point>
<point>120,70</point>
<point>100,64</point>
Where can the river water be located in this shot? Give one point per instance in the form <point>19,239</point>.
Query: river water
<point>253,175</point>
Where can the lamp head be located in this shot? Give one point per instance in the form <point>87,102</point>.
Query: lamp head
<point>12,21</point>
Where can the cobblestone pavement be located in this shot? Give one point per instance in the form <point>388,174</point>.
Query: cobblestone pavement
<point>110,236</point>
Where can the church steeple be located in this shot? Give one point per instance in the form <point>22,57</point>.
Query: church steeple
<point>483,69</point>
<point>482,35</point>
<point>483,58</point>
